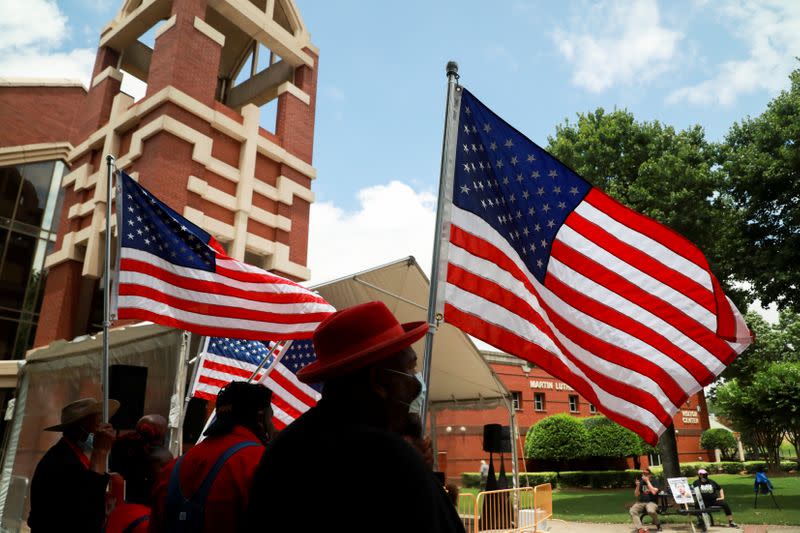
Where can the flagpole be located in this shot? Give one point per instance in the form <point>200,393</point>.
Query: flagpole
<point>445,184</point>
<point>107,287</point>
<point>267,372</point>
<point>275,361</point>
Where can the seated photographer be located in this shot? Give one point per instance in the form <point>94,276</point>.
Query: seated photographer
<point>713,494</point>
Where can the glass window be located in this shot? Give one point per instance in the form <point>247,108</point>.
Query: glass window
<point>573,403</point>
<point>15,269</point>
<point>10,180</point>
<point>538,401</point>
<point>55,198</point>
<point>33,196</point>
<point>516,400</point>
<point>592,408</point>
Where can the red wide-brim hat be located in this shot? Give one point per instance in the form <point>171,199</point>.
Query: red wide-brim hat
<point>356,337</point>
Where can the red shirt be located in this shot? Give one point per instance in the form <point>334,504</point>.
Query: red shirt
<point>125,514</point>
<point>227,499</point>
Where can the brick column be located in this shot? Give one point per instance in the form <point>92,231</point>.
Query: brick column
<point>97,106</point>
<point>62,295</point>
<point>185,56</point>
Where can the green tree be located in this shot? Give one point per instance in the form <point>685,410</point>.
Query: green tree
<point>558,437</point>
<point>761,163</point>
<point>606,438</point>
<point>666,174</point>
<point>719,438</point>
<point>759,409</point>
<point>782,381</point>
<point>773,343</point>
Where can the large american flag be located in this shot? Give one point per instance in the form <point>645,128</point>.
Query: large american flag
<point>546,267</point>
<point>223,360</point>
<point>173,273</point>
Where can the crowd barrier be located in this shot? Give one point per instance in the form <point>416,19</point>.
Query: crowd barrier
<point>525,509</point>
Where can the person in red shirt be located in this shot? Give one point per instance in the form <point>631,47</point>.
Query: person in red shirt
<point>207,488</point>
<point>69,484</point>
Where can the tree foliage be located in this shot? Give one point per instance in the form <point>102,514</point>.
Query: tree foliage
<point>558,437</point>
<point>666,174</point>
<point>761,163</point>
<point>765,409</point>
<point>719,438</point>
<point>773,343</point>
<point>606,438</point>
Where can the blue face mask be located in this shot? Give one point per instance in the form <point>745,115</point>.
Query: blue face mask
<point>87,445</point>
<point>416,404</point>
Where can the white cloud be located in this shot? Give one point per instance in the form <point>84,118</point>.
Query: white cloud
<point>771,30</point>
<point>30,34</point>
<point>393,221</point>
<point>618,43</point>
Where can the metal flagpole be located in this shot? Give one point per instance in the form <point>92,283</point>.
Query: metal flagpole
<point>445,192</point>
<point>107,287</point>
<point>176,402</point>
<point>278,357</point>
<point>269,369</point>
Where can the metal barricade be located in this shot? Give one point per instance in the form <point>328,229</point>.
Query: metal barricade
<point>509,510</point>
<point>466,510</point>
<point>542,504</point>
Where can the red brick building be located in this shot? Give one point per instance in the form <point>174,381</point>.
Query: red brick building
<point>223,134</point>
<point>536,394</point>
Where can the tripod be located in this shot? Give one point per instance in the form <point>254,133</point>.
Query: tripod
<point>764,488</point>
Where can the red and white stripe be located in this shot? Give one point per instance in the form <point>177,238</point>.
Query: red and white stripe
<point>237,300</point>
<point>629,314</point>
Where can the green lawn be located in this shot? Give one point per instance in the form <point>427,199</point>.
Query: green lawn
<point>585,505</point>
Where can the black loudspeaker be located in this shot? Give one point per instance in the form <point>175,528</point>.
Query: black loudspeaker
<point>194,419</point>
<point>127,384</point>
<point>491,438</point>
<point>505,439</point>
<point>496,438</point>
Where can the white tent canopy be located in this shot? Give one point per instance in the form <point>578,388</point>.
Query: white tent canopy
<point>460,377</point>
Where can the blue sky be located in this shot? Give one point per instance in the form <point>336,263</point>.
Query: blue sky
<point>382,85</point>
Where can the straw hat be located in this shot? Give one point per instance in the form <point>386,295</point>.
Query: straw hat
<point>80,409</point>
<point>357,337</point>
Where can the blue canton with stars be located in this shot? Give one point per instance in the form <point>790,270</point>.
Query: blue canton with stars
<point>513,184</point>
<point>148,224</point>
<point>299,354</point>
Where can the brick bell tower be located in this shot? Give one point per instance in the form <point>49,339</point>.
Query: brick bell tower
<point>195,140</point>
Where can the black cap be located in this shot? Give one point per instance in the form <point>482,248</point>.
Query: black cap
<point>238,403</point>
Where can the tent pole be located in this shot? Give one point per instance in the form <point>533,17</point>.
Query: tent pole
<point>445,185</point>
<point>513,438</point>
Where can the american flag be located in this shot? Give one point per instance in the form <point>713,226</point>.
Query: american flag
<point>546,267</point>
<point>223,360</point>
<point>173,273</point>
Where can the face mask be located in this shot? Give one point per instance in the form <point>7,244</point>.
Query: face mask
<point>415,406</point>
<point>88,444</point>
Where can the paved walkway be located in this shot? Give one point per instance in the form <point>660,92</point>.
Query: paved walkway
<point>559,526</point>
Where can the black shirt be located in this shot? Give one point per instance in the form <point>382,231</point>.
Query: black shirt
<point>364,479</point>
<point>708,490</point>
<point>644,493</point>
<point>65,495</point>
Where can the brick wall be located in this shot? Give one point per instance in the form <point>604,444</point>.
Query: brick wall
<point>33,115</point>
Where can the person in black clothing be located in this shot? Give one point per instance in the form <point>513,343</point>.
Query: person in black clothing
<point>713,494</point>
<point>367,366</point>
<point>646,492</point>
<point>68,487</point>
<point>133,457</point>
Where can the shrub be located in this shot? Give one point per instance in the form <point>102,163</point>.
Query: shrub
<point>721,438</point>
<point>557,438</point>
<point>603,479</point>
<point>606,438</point>
<point>531,479</point>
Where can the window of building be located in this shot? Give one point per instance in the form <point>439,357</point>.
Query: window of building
<point>654,458</point>
<point>30,198</point>
<point>592,408</point>
<point>538,401</point>
<point>516,400</point>
<point>573,403</point>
